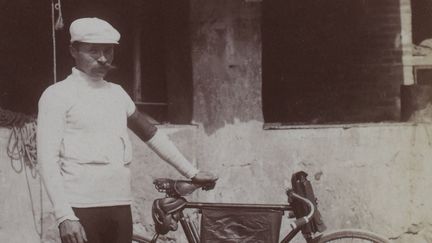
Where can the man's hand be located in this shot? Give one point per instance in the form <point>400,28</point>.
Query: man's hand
<point>71,231</point>
<point>207,179</point>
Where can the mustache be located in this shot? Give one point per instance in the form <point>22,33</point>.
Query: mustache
<point>107,66</point>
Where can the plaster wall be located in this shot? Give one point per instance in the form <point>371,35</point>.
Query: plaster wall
<point>374,177</point>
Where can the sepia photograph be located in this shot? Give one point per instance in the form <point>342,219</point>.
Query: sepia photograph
<point>215,121</point>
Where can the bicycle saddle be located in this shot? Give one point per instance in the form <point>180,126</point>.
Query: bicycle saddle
<point>178,188</point>
<point>165,213</point>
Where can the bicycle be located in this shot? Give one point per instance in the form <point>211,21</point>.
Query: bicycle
<point>301,207</point>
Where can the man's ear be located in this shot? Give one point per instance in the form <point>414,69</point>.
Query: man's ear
<point>73,51</point>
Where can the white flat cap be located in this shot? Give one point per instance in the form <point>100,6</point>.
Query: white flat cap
<point>93,30</point>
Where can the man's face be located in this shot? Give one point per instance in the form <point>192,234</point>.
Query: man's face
<point>93,59</point>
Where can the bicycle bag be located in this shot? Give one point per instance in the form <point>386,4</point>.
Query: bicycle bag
<point>233,225</point>
<point>302,186</point>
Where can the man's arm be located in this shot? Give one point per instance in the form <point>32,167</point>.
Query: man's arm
<point>159,142</point>
<point>49,136</point>
<point>50,126</point>
<point>139,123</point>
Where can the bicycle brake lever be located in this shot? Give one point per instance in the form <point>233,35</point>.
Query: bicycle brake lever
<point>289,193</point>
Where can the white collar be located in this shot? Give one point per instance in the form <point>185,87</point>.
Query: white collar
<point>90,81</point>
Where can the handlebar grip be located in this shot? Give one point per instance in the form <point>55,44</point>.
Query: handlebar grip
<point>299,222</point>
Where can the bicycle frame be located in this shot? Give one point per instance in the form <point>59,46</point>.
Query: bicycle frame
<point>301,208</point>
<point>176,189</point>
<point>191,231</point>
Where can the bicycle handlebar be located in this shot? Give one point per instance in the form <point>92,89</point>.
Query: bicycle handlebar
<point>303,220</point>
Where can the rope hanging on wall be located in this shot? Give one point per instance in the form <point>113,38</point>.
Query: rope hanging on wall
<point>59,22</point>
<point>56,24</point>
<point>21,149</point>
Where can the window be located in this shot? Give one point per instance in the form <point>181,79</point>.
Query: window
<point>421,12</point>
<point>162,84</point>
<point>330,62</point>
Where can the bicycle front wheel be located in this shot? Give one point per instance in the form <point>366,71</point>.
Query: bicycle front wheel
<point>352,236</point>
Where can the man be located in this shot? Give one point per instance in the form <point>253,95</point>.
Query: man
<point>83,145</point>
